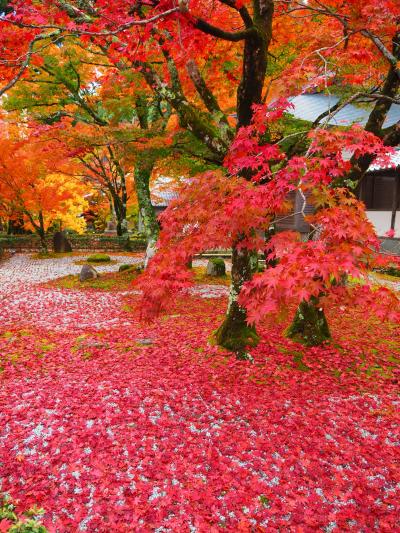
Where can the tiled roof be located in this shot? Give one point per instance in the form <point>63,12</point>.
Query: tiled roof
<point>163,198</point>
<point>394,162</point>
<point>162,191</point>
<point>310,106</point>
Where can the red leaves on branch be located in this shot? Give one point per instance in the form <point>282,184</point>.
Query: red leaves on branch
<point>214,208</point>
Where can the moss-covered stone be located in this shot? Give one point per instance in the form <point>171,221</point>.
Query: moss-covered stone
<point>136,267</point>
<point>309,326</point>
<point>125,267</point>
<point>216,267</point>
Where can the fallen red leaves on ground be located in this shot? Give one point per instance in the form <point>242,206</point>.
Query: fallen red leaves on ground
<point>127,427</point>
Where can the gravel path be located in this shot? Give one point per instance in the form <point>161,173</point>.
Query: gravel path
<point>27,303</point>
<point>23,270</point>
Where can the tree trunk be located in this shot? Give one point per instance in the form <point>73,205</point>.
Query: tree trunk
<point>142,175</point>
<point>42,234</point>
<point>235,334</point>
<point>376,120</point>
<point>119,209</point>
<point>120,199</point>
<point>309,326</point>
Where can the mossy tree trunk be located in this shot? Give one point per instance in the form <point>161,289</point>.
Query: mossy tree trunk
<point>309,326</point>
<point>147,212</point>
<point>213,130</point>
<point>235,334</point>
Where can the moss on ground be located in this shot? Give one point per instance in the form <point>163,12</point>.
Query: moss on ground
<point>113,281</point>
<point>200,277</point>
<point>99,258</point>
<point>53,255</point>
<point>87,262</point>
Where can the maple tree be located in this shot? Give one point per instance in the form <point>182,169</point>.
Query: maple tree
<point>33,190</point>
<point>181,49</point>
<point>113,424</point>
<point>346,243</point>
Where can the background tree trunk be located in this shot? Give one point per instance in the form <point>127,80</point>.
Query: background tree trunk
<point>151,227</point>
<point>42,233</point>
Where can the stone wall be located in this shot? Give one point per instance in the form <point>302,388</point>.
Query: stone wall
<point>87,242</point>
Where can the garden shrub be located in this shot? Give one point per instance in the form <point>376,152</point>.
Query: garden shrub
<point>392,270</point>
<point>99,258</point>
<point>216,267</point>
<point>125,267</point>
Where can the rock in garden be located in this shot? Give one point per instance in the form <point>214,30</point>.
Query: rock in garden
<point>144,342</point>
<point>88,272</point>
<point>60,243</point>
<point>216,267</point>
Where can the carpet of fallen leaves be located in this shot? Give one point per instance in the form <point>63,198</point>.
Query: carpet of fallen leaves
<point>112,425</point>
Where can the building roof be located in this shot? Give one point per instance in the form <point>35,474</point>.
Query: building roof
<point>162,199</point>
<point>306,107</point>
<point>163,190</point>
<point>310,106</point>
<point>394,162</point>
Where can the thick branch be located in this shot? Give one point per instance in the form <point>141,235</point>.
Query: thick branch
<point>394,62</point>
<point>242,11</point>
<point>205,27</point>
<point>204,92</point>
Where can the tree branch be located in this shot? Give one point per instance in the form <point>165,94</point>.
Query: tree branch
<point>77,31</point>
<point>384,51</point>
<point>248,21</point>
<point>26,61</point>
<point>205,27</point>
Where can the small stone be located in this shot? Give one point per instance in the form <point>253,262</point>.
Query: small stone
<point>216,267</point>
<point>145,342</point>
<point>88,272</point>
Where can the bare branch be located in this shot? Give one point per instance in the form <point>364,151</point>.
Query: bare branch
<point>205,27</point>
<point>384,51</point>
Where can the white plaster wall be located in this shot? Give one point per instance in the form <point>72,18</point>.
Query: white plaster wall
<point>381,221</point>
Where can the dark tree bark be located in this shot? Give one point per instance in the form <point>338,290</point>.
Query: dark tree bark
<point>377,118</point>
<point>235,333</point>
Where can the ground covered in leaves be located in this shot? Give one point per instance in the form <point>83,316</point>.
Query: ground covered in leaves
<point>113,425</point>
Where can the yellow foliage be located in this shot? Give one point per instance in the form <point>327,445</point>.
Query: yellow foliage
<point>74,204</point>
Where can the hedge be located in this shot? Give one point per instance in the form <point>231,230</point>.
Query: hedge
<point>134,242</point>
